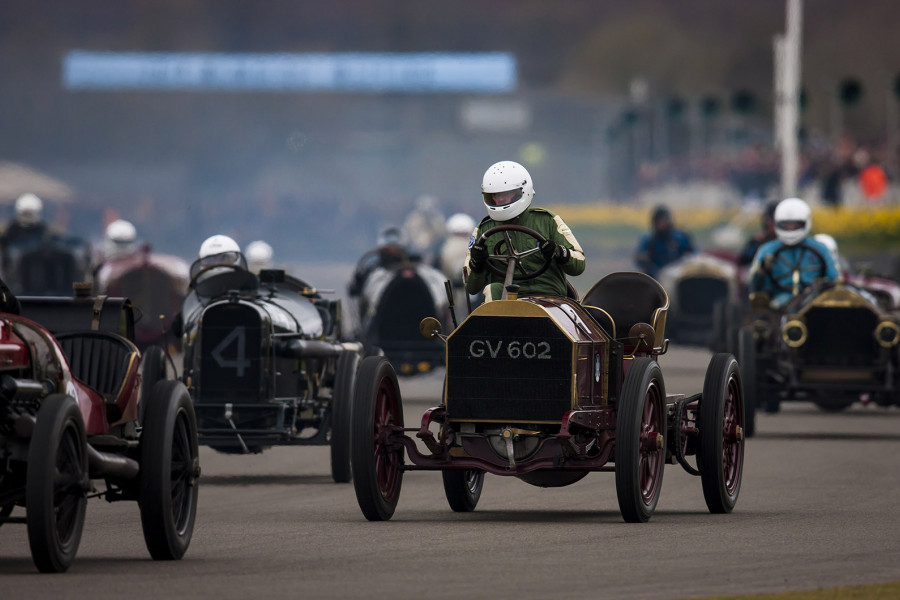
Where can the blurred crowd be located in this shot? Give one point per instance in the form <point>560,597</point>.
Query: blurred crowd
<point>847,173</point>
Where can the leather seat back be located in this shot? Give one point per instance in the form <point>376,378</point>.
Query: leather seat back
<point>99,359</point>
<point>630,297</point>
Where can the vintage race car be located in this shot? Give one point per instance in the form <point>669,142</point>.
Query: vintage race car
<point>156,284</point>
<point>829,344</point>
<point>78,404</point>
<point>390,301</point>
<point>46,265</point>
<point>266,364</point>
<point>701,286</point>
<point>549,389</point>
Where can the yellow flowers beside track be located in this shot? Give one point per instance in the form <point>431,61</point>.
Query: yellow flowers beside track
<point>872,227</point>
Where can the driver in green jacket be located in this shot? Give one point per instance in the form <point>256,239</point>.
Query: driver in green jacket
<point>508,191</point>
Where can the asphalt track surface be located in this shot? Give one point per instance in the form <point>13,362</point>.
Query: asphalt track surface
<point>818,508</point>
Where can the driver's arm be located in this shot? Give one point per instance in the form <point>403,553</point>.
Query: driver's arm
<point>562,235</point>
<point>831,270</point>
<point>758,277</point>
<point>477,280</point>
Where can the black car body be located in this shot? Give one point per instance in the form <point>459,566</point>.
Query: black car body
<point>265,364</point>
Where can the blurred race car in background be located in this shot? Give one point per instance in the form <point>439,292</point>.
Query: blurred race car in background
<point>156,284</point>
<point>46,265</point>
<point>391,297</point>
<point>830,344</point>
<point>700,286</point>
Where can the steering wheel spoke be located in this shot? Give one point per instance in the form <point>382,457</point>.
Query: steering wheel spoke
<point>786,282</point>
<point>522,273</point>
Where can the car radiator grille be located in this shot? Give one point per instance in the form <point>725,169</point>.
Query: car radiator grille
<point>231,356</point>
<point>840,337</point>
<point>511,369</point>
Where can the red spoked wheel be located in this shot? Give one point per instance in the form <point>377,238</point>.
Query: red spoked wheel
<point>377,462</point>
<point>721,422</point>
<point>640,440</point>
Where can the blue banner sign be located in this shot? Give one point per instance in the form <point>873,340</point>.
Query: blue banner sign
<point>489,72</point>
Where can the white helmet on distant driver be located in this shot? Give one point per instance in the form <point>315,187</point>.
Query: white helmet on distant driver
<point>830,243</point>
<point>460,224</point>
<point>120,238</point>
<point>28,209</point>
<point>259,256</point>
<point>507,189</point>
<point>792,221</point>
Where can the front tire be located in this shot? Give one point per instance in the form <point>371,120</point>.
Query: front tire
<point>153,369</point>
<point>56,484</point>
<point>377,464</point>
<point>170,466</point>
<point>747,360</point>
<point>463,488</point>
<point>640,440</point>
<point>721,453</point>
<point>341,407</point>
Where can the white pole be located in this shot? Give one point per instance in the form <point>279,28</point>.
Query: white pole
<point>790,151</point>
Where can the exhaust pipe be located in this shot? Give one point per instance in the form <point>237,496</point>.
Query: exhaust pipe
<point>294,348</point>
<point>104,464</point>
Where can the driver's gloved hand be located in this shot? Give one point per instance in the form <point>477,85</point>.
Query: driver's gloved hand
<point>478,256</point>
<point>768,262</point>
<point>557,252</point>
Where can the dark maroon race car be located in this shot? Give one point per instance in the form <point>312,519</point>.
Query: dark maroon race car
<point>548,389</point>
<point>156,284</point>
<point>78,405</point>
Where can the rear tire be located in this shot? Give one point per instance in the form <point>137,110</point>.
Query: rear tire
<point>56,483</point>
<point>640,427</point>
<point>377,464</point>
<point>341,407</point>
<point>463,488</point>
<point>170,466</point>
<point>720,456</point>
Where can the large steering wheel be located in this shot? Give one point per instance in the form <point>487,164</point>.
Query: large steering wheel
<point>504,252</point>
<point>790,281</point>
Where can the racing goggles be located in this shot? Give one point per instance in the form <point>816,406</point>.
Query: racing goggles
<point>502,198</point>
<point>223,258</point>
<point>790,225</point>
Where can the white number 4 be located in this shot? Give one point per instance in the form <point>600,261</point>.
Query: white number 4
<point>240,362</point>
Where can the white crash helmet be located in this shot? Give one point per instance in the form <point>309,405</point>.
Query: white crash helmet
<point>218,244</point>
<point>830,243</point>
<point>460,224</point>
<point>792,221</point>
<point>28,209</point>
<point>505,176</point>
<point>259,255</point>
<point>120,238</point>
<point>219,250</point>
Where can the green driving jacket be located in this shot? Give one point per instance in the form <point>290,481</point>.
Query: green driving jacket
<point>553,280</point>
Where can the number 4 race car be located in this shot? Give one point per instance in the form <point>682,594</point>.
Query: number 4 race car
<point>548,389</point>
<point>266,364</point>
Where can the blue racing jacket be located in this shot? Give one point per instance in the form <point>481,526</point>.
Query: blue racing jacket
<point>800,258</point>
